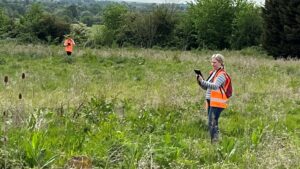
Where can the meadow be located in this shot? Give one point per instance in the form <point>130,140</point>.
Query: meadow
<point>142,108</point>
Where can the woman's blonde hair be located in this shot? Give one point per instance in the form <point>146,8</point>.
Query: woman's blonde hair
<point>219,58</point>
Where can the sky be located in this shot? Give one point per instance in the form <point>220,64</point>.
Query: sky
<point>259,2</point>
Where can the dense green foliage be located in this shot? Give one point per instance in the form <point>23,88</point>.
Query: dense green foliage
<point>142,108</point>
<point>206,24</point>
<point>38,25</point>
<point>247,25</point>
<point>282,28</point>
<point>212,21</point>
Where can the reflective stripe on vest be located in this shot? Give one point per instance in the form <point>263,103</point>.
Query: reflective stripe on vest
<point>218,97</point>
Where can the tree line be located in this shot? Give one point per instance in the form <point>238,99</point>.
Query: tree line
<point>205,24</point>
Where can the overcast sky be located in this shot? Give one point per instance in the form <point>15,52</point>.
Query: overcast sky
<point>260,2</point>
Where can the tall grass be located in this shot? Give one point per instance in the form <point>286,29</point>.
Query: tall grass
<point>142,108</point>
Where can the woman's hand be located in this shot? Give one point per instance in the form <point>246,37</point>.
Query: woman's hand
<point>199,78</point>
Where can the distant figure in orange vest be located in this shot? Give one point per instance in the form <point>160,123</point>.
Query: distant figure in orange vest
<point>215,95</point>
<point>69,43</point>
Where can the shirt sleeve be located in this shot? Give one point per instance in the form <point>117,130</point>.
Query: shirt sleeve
<point>203,87</point>
<point>217,84</point>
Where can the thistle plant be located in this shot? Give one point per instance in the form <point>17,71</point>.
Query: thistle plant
<point>23,76</point>
<point>5,80</point>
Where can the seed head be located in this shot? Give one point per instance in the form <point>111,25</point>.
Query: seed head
<point>20,96</point>
<point>23,75</point>
<point>4,139</point>
<point>5,79</point>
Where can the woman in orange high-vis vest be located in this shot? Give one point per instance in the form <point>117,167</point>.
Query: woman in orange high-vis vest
<point>69,43</point>
<point>216,99</point>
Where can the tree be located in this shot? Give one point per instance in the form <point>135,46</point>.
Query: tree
<point>95,36</point>
<point>247,26</point>
<point>185,33</point>
<point>212,20</point>
<point>72,12</point>
<point>36,25</point>
<point>146,29</point>
<point>29,24</point>
<point>113,16</point>
<point>4,22</point>
<point>128,33</point>
<point>281,36</point>
<point>52,28</point>
<point>164,18</point>
<point>86,17</point>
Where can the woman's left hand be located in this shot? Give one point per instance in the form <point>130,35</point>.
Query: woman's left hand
<point>199,78</point>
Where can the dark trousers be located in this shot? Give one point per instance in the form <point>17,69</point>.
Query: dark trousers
<point>213,120</point>
<point>69,53</point>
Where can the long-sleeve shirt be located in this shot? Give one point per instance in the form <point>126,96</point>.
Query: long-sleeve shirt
<point>210,85</point>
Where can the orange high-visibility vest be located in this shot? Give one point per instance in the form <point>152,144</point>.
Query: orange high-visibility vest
<point>218,97</point>
<point>69,43</point>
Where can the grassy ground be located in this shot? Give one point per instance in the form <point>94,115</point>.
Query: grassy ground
<point>141,108</point>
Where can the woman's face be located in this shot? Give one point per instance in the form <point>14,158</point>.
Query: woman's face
<point>215,64</point>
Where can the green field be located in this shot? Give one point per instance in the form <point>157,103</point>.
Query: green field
<point>142,108</point>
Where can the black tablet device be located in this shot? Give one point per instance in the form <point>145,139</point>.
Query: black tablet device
<point>198,72</point>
